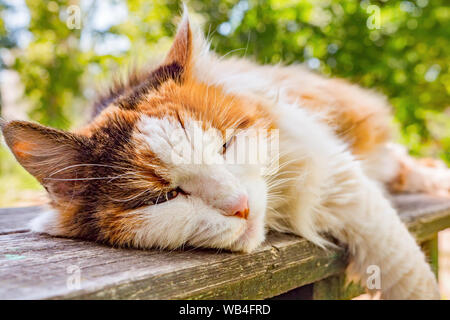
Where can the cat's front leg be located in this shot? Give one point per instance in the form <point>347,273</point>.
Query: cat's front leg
<point>332,194</point>
<point>354,210</point>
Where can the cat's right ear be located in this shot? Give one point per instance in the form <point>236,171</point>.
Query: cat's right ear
<point>48,154</point>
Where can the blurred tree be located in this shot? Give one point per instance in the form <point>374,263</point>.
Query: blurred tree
<point>6,41</point>
<point>51,65</point>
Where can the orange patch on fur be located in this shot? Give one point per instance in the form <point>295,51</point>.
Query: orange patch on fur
<point>205,103</point>
<point>22,149</point>
<point>430,163</point>
<point>398,184</point>
<point>359,118</point>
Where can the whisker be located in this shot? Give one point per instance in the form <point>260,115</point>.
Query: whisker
<point>231,51</point>
<point>128,199</point>
<point>87,165</point>
<point>78,179</point>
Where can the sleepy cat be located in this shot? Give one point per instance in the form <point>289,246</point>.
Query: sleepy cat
<point>138,174</point>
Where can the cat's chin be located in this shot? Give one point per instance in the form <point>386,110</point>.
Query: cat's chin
<point>251,238</point>
<point>246,246</point>
<point>244,237</point>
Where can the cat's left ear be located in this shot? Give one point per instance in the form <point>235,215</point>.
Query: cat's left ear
<point>50,155</point>
<point>181,51</point>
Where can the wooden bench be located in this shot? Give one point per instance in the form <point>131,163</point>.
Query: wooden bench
<point>34,266</point>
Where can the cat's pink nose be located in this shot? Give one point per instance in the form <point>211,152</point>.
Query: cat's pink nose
<point>240,208</point>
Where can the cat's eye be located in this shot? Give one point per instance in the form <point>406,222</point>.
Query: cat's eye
<point>172,194</point>
<point>227,144</point>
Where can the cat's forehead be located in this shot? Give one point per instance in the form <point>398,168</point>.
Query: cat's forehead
<point>200,102</point>
<point>149,131</point>
<point>177,142</point>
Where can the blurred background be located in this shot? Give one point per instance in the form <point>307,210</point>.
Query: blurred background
<point>55,56</point>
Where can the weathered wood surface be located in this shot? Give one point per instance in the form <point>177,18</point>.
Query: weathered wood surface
<point>34,266</point>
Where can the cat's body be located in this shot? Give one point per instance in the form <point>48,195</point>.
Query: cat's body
<point>106,181</point>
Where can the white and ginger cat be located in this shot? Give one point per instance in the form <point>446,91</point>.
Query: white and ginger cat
<point>123,179</point>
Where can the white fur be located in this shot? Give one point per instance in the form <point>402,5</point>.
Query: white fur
<point>47,222</point>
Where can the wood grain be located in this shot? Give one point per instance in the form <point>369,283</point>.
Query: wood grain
<point>34,266</point>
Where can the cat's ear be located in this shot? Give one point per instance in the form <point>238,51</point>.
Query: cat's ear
<point>48,154</point>
<point>182,48</point>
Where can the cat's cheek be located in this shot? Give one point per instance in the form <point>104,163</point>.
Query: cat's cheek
<point>185,220</point>
<point>221,238</point>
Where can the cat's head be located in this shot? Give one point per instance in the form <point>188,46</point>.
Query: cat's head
<point>153,168</point>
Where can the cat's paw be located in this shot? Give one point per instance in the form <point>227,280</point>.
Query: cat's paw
<point>47,222</point>
<point>438,182</point>
<point>422,175</point>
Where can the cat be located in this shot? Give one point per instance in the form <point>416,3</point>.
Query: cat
<point>123,179</point>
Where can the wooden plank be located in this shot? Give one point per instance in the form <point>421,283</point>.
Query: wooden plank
<point>431,250</point>
<point>15,219</point>
<point>36,266</point>
<point>295,262</point>
<point>336,288</point>
<point>424,215</point>
<point>33,261</point>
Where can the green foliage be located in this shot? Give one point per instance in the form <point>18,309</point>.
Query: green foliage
<point>51,65</point>
<point>406,55</point>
